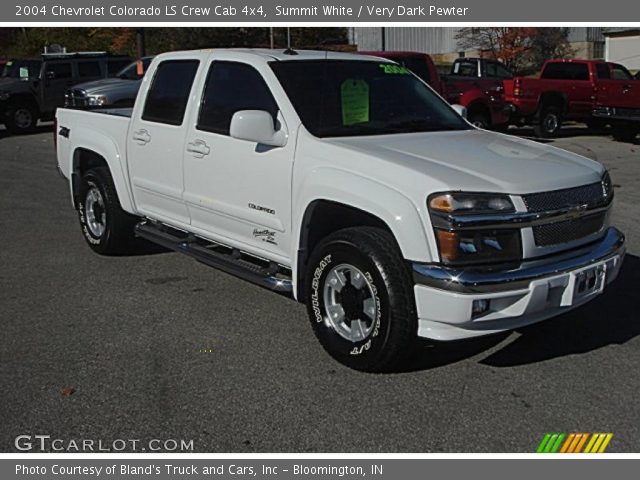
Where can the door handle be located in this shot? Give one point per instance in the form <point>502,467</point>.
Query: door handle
<point>198,148</point>
<point>142,137</point>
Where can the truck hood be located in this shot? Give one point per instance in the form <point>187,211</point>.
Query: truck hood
<point>8,84</point>
<point>98,87</point>
<point>478,160</point>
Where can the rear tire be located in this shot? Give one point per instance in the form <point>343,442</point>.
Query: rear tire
<point>107,229</point>
<point>479,120</point>
<point>359,297</point>
<point>21,119</point>
<point>548,123</point>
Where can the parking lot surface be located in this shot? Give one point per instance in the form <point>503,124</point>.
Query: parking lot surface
<point>157,346</point>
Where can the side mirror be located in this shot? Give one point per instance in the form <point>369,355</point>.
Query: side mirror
<point>256,126</point>
<point>50,75</point>
<point>460,110</point>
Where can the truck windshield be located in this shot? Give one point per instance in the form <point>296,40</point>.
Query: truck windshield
<point>338,98</point>
<point>133,72</point>
<point>21,69</point>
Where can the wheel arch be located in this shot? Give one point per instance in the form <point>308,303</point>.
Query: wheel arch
<point>100,151</point>
<point>555,99</point>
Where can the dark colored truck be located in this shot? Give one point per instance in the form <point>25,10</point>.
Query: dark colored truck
<point>32,89</point>
<point>480,91</point>
<point>591,91</point>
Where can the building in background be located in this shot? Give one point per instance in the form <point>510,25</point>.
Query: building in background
<point>622,45</point>
<point>441,44</point>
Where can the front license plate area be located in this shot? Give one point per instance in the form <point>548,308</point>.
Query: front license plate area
<point>589,281</point>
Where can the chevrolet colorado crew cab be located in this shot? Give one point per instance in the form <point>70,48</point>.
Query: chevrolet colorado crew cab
<point>591,91</point>
<point>348,183</point>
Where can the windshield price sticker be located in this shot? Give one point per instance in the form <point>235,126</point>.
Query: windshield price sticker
<point>394,69</point>
<point>355,101</point>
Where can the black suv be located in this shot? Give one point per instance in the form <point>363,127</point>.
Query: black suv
<point>32,89</point>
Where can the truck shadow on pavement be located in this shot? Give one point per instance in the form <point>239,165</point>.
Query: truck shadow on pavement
<point>4,133</point>
<point>611,319</point>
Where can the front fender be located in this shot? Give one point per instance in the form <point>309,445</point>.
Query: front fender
<point>102,145</point>
<point>408,222</point>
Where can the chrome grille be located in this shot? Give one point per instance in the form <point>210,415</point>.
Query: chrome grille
<point>568,230</point>
<point>590,195</point>
<point>75,98</point>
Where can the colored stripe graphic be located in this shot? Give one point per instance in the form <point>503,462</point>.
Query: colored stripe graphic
<point>574,443</point>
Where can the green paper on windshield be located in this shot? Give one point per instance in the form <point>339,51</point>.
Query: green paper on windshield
<point>24,72</point>
<point>355,101</point>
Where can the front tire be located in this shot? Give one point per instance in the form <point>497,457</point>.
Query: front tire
<point>360,301</point>
<point>22,119</point>
<point>107,229</point>
<point>549,123</point>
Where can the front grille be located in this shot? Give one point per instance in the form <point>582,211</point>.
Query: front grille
<point>568,230</point>
<point>590,195</point>
<point>75,98</point>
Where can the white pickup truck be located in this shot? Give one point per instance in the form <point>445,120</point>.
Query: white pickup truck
<point>346,182</point>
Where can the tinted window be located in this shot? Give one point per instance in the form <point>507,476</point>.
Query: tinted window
<point>466,69</point>
<point>566,71</point>
<point>340,98</point>
<point>22,69</point>
<point>497,70</point>
<point>114,66</point>
<point>169,92</point>
<point>602,69</point>
<point>131,71</point>
<point>60,70</point>
<point>417,65</point>
<point>620,73</point>
<point>232,87</point>
<point>89,69</point>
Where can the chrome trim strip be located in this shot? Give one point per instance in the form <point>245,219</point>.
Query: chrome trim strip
<point>512,220</point>
<point>479,280</point>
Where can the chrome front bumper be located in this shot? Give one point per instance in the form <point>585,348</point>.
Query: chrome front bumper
<point>489,280</point>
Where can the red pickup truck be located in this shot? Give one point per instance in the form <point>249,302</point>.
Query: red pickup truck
<point>473,83</point>
<point>591,91</point>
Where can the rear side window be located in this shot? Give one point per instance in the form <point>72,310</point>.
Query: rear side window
<point>89,69</point>
<point>566,71</point>
<point>232,87</point>
<point>169,92</point>
<point>465,69</point>
<point>602,69</point>
<point>60,70</point>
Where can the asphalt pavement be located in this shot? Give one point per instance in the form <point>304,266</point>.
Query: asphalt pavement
<point>158,346</point>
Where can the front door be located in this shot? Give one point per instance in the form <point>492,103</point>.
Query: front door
<point>156,141</point>
<point>238,191</point>
<point>58,77</point>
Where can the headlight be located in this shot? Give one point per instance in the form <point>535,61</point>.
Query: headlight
<point>96,100</point>
<point>460,246</point>
<point>607,187</point>
<point>459,202</point>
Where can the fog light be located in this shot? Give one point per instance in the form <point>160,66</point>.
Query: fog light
<point>479,307</point>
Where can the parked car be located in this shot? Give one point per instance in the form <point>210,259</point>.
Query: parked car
<point>481,96</point>
<point>592,91</point>
<point>119,91</point>
<point>637,76</point>
<point>32,89</point>
<point>346,182</point>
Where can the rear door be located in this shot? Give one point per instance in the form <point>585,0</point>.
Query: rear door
<point>156,140</point>
<point>237,191</point>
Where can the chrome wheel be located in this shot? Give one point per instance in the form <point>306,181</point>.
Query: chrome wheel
<point>350,302</point>
<point>96,215</point>
<point>551,122</point>
<point>23,118</point>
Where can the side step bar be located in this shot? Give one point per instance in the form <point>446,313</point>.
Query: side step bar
<point>230,260</point>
